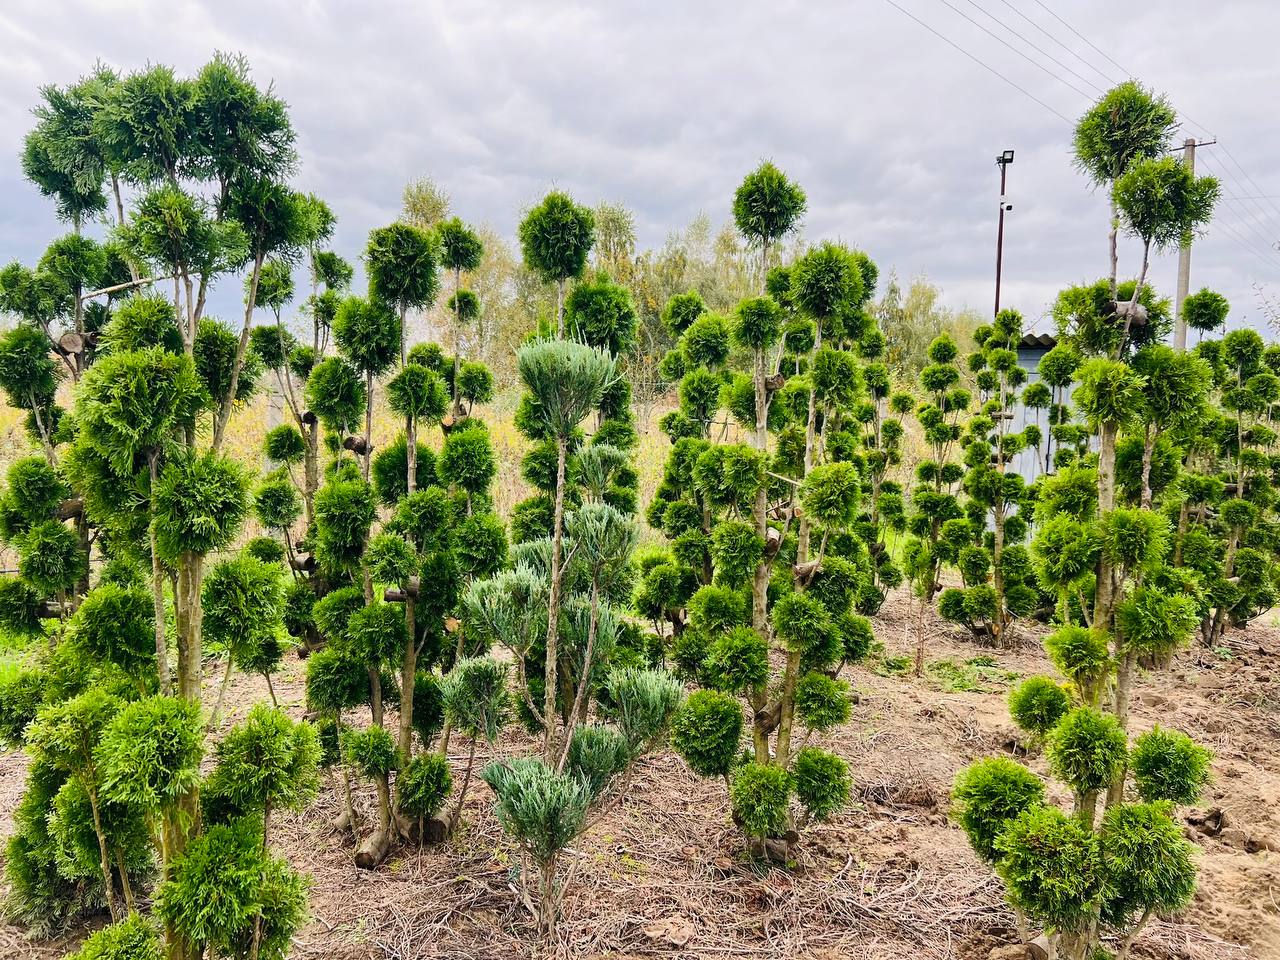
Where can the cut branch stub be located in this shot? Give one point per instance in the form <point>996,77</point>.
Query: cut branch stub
<point>308,418</point>
<point>775,382</point>
<point>71,508</point>
<point>306,563</point>
<point>356,445</point>
<point>772,542</point>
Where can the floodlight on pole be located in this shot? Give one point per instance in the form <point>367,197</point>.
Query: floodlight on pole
<point>1002,162</point>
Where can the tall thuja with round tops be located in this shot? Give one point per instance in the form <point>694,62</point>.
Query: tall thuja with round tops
<point>556,237</point>
<point>721,586</point>
<point>881,438</point>
<point>994,566</point>
<point>1226,536</point>
<point>460,252</point>
<point>934,507</point>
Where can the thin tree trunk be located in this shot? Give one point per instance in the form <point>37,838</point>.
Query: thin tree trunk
<point>456,817</point>
<point>584,681</point>
<point>553,609</point>
<point>157,589</point>
<point>224,411</point>
<point>104,857</point>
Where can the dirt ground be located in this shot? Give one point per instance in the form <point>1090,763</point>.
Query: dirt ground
<point>663,874</point>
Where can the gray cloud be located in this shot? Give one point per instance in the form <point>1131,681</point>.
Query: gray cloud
<point>663,106</point>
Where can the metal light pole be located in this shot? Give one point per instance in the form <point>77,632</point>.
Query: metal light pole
<point>1002,162</point>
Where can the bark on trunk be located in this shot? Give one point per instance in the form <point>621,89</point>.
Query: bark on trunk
<point>157,592</point>
<point>553,610</point>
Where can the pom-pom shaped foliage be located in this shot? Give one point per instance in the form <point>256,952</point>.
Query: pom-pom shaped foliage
<point>460,248</point>
<point>822,782</point>
<point>417,392</point>
<point>268,761</point>
<point>368,333</point>
<point>1154,622</point>
<point>376,633</point>
<point>601,314</point>
<point>150,752</point>
<point>132,938</point>
<point>1037,704</point>
<point>475,697</point>
<point>1087,749</point>
<point>566,380</point>
<point>344,511</point>
<point>802,623</point>
<point>35,491</point>
<point>50,558</point>
<point>481,545</point>
<point>767,206</point>
<point>199,504</point>
<point>284,444</point>
<point>129,403</point>
<point>335,393</point>
<point>424,785</point>
<point>428,705</point>
<point>1051,866</point>
<point>1149,863</point>
<point>826,284</point>
<point>1081,655</point>
<point>276,502</point>
<point>830,494</point>
<point>114,624</point>
<point>391,470</point>
<point>706,732</point>
<point>556,236</point>
<point>822,703</point>
<point>336,680</point>
<point>243,601</point>
<point>467,460</point>
<point>1168,765</point>
<point>738,660</point>
<point>681,310</point>
<point>706,342</point>
<point>760,796</point>
<point>222,882</point>
<point>391,559</point>
<point>757,323</point>
<point>1205,310</point>
<point>402,262</point>
<point>215,352</point>
<point>987,795</point>
<point>372,751</point>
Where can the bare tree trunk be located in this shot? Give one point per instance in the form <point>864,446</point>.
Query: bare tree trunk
<point>157,588</point>
<point>553,610</point>
<point>105,858</point>
<point>224,411</point>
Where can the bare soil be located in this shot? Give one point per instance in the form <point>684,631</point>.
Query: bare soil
<point>664,873</point>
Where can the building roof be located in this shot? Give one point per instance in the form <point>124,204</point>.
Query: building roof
<point>1037,341</point>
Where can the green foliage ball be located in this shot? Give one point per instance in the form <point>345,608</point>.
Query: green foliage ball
<point>424,785</point>
<point>1169,765</point>
<point>987,795</point>
<point>760,796</point>
<point>706,732</point>
<point>822,782</point>
<point>1087,749</point>
<point>1037,704</point>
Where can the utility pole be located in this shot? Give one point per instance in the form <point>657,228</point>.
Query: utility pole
<point>1184,255</point>
<point>1002,162</point>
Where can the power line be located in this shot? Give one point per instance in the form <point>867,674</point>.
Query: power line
<point>1040,50</point>
<point>990,69</point>
<point>1124,72</point>
<point>1231,156</point>
<point>1088,63</point>
<point>1259,225</point>
<point>1242,242</point>
<point>1035,63</point>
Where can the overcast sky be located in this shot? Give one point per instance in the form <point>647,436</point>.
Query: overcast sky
<point>663,106</point>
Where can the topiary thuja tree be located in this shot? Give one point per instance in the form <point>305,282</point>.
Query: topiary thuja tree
<point>985,547</point>
<point>197,169</point>
<point>1107,547</point>
<point>934,508</point>
<point>768,537</point>
<point>556,237</point>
